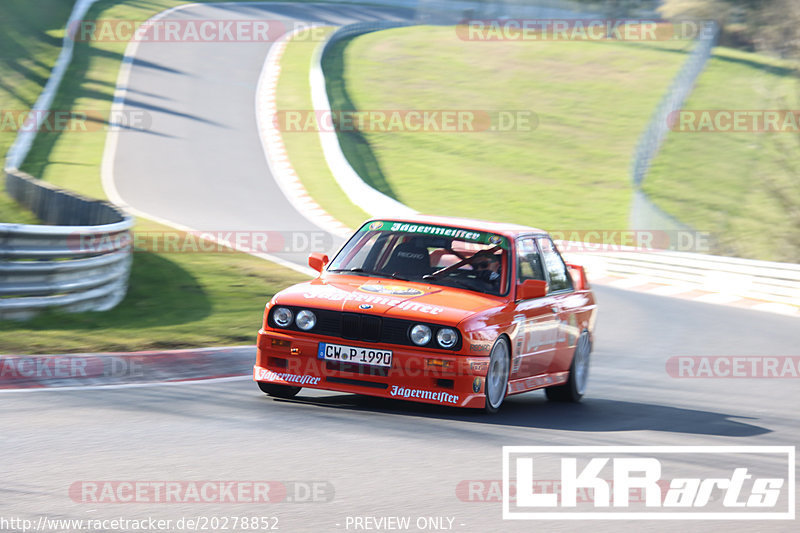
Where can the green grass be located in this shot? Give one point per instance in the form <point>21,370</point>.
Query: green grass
<point>12,212</point>
<point>742,187</point>
<point>303,148</point>
<point>30,41</point>
<point>174,300</point>
<point>593,99</point>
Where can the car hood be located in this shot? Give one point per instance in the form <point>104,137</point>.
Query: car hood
<point>393,298</point>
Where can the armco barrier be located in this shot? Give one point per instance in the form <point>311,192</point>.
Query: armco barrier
<point>644,213</point>
<point>372,201</point>
<point>80,261</point>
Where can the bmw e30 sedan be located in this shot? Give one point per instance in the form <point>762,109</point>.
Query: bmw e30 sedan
<point>433,309</point>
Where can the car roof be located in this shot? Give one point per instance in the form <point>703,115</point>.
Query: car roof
<point>507,229</point>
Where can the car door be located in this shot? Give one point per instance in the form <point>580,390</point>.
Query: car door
<point>561,290</point>
<point>537,319</point>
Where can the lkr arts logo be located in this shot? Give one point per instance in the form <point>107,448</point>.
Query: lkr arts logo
<point>649,482</point>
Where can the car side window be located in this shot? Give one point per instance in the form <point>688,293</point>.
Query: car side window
<point>529,264</point>
<point>556,269</point>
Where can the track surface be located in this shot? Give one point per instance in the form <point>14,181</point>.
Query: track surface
<point>203,167</point>
<point>394,458</point>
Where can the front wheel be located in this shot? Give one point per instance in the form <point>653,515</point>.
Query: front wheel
<point>279,391</point>
<point>575,387</point>
<point>497,376</point>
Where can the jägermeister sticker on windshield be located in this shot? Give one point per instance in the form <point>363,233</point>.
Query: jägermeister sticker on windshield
<point>461,234</point>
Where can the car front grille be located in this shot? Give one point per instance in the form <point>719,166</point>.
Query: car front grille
<point>363,327</point>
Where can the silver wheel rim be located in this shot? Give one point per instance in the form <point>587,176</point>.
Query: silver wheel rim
<point>582,364</point>
<point>497,378</point>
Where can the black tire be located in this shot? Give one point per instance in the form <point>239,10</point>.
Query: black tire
<point>575,387</point>
<point>496,383</point>
<point>279,391</point>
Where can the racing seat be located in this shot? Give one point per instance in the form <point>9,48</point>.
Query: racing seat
<point>409,259</point>
<point>530,267</point>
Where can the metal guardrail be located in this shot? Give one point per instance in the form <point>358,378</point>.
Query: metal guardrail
<point>79,261</point>
<point>359,28</point>
<point>644,213</point>
<point>452,11</point>
<point>357,190</point>
<point>651,139</point>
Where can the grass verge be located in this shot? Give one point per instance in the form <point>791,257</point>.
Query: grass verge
<point>303,147</point>
<point>742,186</point>
<point>174,300</point>
<point>592,100</point>
<point>30,41</point>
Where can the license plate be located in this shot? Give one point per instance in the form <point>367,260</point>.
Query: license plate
<point>352,354</point>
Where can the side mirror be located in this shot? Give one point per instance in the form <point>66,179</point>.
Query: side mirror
<point>317,261</point>
<point>531,288</point>
<point>579,280</point>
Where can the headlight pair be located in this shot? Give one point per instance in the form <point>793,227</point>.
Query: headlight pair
<point>305,319</point>
<point>422,334</point>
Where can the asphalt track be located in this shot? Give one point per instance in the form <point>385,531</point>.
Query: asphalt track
<point>199,162</point>
<point>394,458</point>
<point>203,167</point>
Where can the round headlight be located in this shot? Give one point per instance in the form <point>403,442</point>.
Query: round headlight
<point>306,320</point>
<point>282,317</point>
<point>447,337</point>
<point>420,334</point>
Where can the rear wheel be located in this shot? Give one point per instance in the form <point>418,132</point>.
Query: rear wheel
<point>279,391</point>
<point>497,376</point>
<point>575,387</point>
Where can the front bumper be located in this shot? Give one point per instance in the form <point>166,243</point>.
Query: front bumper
<point>417,375</point>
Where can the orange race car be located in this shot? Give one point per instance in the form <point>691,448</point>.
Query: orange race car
<point>433,309</point>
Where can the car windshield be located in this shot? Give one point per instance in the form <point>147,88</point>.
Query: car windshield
<point>468,259</point>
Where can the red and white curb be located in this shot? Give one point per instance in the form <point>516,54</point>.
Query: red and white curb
<point>274,147</point>
<point>646,285</point>
<point>118,369</point>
